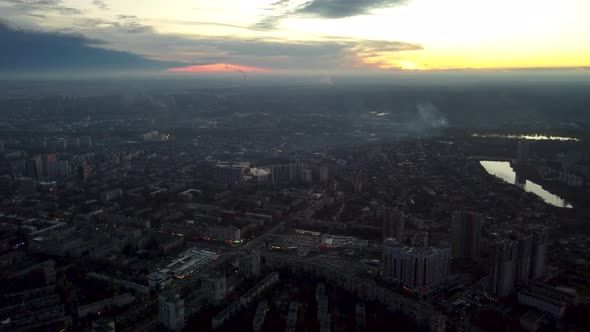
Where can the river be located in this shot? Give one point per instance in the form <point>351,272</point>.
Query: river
<point>503,170</point>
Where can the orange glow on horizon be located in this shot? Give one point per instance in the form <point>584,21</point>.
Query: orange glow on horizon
<point>436,61</point>
<point>220,68</point>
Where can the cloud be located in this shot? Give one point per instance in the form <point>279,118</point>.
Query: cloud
<point>124,24</point>
<point>130,33</point>
<point>46,6</point>
<point>278,10</point>
<point>101,4</point>
<point>96,43</point>
<point>201,23</point>
<point>330,9</point>
<point>131,24</point>
<point>31,51</point>
<point>41,16</point>
<point>326,54</point>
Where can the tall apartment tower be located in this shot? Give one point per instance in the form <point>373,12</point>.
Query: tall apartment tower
<point>539,251</point>
<point>31,169</point>
<point>465,234</point>
<point>324,174</point>
<point>361,320</point>
<point>49,272</point>
<point>280,174</point>
<point>503,267</point>
<point>296,171</point>
<point>394,223</point>
<point>228,174</point>
<point>525,262</point>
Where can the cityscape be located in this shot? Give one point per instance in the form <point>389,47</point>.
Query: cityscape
<point>294,165</point>
<point>172,219</point>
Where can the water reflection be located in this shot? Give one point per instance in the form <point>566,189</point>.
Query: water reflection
<point>536,137</point>
<point>503,170</point>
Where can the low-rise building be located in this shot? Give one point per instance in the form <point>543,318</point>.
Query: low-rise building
<point>111,195</point>
<point>109,303</point>
<point>190,261</point>
<point>158,280</point>
<point>102,325</point>
<point>226,314</point>
<point>263,285</point>
<point>545,300</point>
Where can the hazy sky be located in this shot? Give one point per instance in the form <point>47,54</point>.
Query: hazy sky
<point>308,35</point>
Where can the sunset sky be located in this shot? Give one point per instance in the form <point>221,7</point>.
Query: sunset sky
<point>307,35</point>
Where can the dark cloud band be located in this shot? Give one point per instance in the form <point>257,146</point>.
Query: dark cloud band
<point>331,9</point>
<point>27,51</point>
<point>345,8</point>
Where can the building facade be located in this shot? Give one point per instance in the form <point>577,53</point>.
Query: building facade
<point>465,235</point>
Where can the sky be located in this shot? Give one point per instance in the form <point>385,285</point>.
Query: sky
<point>191,36</point>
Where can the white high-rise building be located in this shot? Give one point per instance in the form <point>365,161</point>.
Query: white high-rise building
<point>172,312</point>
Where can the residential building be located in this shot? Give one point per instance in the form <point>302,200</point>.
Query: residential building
<point>523,151</point>
<point>415,267</point>
<point>172,312</point>
<point>503,267</point>
<point>393,224</point>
